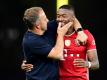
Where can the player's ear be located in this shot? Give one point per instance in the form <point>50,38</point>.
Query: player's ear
<point>72,19</point>
<point>73,16</point>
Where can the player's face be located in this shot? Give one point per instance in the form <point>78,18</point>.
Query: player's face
<point>43,21</point>
<point>64,16</point>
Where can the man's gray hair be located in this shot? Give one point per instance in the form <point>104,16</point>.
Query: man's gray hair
<point>31,15</point>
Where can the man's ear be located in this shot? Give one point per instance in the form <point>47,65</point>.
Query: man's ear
<point>37,26</point>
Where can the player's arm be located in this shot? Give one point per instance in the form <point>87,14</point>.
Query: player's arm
<point>93,59</point>
<point>92,56</point>
<point>92,62</point>
<point>25,66</point>
<point>92,52</point>
<point>81,37</point>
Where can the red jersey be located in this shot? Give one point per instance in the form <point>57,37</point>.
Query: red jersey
<point>71,51</point>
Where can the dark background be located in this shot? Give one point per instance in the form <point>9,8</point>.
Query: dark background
<point>91,14</point>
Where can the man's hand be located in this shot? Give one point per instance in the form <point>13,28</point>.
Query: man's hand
<point>26,67</point>
<point>62,30</point>
<point>81,37</point>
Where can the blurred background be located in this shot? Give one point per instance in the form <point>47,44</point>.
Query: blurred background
<point>91,14</point>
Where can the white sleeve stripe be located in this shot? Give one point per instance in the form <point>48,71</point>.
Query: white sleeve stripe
<point>91,50</point>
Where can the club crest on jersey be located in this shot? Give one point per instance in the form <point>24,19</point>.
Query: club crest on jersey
<point>67,42</point>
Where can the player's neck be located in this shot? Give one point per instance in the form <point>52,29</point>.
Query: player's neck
<point>70,32</point>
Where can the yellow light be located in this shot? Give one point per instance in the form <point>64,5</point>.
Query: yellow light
<point>61,2</point>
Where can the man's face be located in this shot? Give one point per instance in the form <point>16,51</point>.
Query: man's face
<point>43,21</point>
<point>64,16</point>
